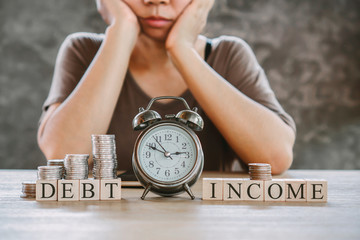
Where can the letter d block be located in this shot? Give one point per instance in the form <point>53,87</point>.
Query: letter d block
<point>110,189</point>
<point>68,190</point>
<point>316,190</point>
<point>212,189</point>
<point>295,190</point>
<point>89,189</point>
<point>46,190</point>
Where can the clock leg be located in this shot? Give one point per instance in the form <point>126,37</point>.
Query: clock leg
<point>147,189</point>
<point>188,190</point>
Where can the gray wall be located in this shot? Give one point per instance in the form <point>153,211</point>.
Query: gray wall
<point>308,48</point>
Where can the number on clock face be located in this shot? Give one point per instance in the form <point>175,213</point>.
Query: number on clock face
<point>167,153</point>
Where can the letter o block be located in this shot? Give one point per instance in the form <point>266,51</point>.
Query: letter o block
<point>274,190</point>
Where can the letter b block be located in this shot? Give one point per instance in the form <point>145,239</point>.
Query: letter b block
<point>110,189</point>
<point>212,189</point>
<point>68,190</point>
<point>89,190</point>
<point>46,190</point>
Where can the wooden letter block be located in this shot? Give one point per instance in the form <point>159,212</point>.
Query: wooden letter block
<point>295,190</point>
<point>316,190</point>
<point>254,190</point>
<point>212,189</point>
<point>89,189</point>
<point>234,189</point>
<point>274,190</point>
<point>68,190</point>
<point>46,190</point>
<point>110,189</point>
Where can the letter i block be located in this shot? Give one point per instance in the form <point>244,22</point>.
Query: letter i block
<point>68,190</point>
<point>110,189</point>
<point>212,189</point>
<point>274,190</point>
<point>254,190</point>
<point>316,190</point>
<point>46,190</point>
<point>234,189</point>
<point>295,190</point>
<point>89,190</point>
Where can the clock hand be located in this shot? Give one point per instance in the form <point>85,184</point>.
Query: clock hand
<point>167,154</point>
<point>154,148</point>
<point>177,153</point>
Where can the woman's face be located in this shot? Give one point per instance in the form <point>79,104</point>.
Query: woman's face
<point>156,17</point>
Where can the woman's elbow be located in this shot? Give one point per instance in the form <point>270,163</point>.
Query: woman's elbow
<point>282,160</point>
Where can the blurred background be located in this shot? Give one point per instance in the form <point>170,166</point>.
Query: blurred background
<point>308,48</point>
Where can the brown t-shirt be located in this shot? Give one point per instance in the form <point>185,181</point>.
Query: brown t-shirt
<point>230,57</point>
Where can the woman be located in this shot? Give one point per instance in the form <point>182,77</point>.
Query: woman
<point>154,48</point>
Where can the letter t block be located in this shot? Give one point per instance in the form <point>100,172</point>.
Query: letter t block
<point>110,189</point>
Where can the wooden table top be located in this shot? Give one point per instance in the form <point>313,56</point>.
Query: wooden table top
<point>182,218</point>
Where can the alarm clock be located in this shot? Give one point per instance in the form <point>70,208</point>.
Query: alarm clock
<point>167,157</point>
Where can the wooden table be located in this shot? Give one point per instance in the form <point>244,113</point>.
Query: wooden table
<point>182,218</point>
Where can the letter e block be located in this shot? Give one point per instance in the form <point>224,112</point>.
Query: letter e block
<point>89,190</point>
<point>316,190</point>
<point>295,190</point>
<point>212,189</point>
<point>68,190</point>
<point>274,190</point>
<point>46,190</point>
<point>110,189</point>
<point>234,189</point>
<point>254,190</point>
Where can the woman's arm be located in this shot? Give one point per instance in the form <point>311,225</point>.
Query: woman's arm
<point>254,132</point>
<point>67,127</point>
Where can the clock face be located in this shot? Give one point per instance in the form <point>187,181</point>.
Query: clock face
<point>167,153</point>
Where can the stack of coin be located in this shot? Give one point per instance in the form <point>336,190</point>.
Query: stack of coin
<point>76,166</point>
<point>104,156</point>
<point>260,171</point>
<point>49,172</point>
<point>57,162</point>
<point>28,190</point>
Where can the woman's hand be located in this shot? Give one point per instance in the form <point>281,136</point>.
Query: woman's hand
<point>189,25</point>
<point>118,14</point>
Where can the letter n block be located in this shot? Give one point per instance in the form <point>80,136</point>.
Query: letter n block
<point>295,190</point>
<point>68,190</point>
<point>212,189</point>
<point>316,190</point>
<point>254,190</point>
<point>89,190</point>
<point>234,189</point>
<point>274,190</point>
<point>46,190</point>
<point>110,189</point>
